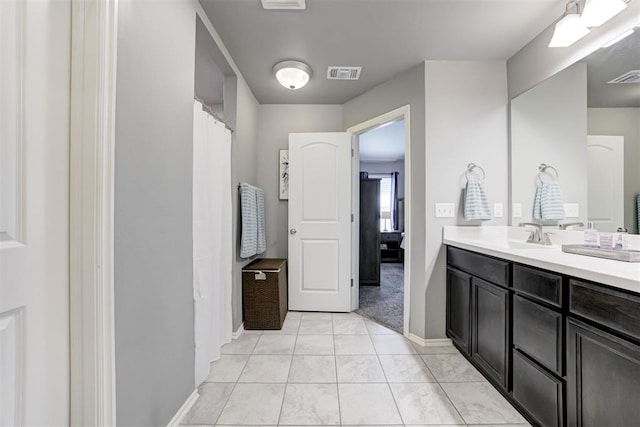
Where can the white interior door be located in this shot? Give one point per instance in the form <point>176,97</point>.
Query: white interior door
<point>606,181</point>
<point>320,221</point>
<point>34,221</point>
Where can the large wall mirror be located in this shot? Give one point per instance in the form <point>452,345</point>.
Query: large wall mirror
<point>579,132</point>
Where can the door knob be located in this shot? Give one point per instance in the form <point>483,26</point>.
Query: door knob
<point>293,231</point>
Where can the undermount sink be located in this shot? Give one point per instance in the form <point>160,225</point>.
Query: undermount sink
<point>512,244</point>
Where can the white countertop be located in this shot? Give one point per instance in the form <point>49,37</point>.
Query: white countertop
<point>510,243</point>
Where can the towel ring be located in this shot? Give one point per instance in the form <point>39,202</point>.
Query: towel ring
<point>470,168</point>
<point>543,169</point>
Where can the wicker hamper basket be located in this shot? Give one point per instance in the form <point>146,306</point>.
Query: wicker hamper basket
<point>264,293</point>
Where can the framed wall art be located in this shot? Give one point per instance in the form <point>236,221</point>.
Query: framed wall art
<point>284,174</point>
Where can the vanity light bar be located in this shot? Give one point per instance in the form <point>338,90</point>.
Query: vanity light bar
<point>617,39</point>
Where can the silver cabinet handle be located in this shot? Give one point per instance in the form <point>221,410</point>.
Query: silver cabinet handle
<point>293,231</point>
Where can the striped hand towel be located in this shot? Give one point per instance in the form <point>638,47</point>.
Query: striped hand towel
<point>476,203</point>
<point>638,211</point>
<point>548,205</point>
<point>249,210</point>
<point>262,241</point>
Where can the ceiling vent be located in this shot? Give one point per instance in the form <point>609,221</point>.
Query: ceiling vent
<point>343,73</point>
<point>284,4</point>
<point>632,76</point>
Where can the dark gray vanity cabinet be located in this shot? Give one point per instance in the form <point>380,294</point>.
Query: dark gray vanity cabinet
<point>564,351</point>
<point>478,310</point>
<point>603,356</point>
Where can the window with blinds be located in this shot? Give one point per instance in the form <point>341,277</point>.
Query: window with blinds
<point>386,197</point>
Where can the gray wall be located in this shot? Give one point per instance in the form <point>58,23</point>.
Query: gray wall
<point>275,122</point>
<point>243,169</point>
<point>466,121</point>
<point>405,88</point>
<point>549,125</point>
<point>153,190</point>
<point>153,181</point>
<point>625,122</point>
<point>387,167</point>
<point>536,62</point>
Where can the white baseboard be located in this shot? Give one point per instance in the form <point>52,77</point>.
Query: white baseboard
<point>237,333</point>
<point>184,409</point>
<point>437,342</point>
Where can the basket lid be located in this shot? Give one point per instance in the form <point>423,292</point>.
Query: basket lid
<point>265,264</point>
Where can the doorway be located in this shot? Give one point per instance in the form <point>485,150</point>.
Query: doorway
<point>381,200</point>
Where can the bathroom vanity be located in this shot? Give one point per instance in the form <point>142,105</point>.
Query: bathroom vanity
<point>558,334</point>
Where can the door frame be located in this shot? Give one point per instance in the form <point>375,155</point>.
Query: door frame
<point>399,113</point>
<point>92,139</point>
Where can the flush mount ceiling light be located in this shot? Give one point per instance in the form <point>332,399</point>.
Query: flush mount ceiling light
<point>292,74</point>
<point>570,28</point>
<point>597,12</point>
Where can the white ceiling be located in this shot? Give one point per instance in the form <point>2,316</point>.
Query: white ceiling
<point>383,144</point>
<point>385,37</point>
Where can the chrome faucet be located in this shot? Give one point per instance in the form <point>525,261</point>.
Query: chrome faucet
<point>538,236</point>
<point>570,224</point>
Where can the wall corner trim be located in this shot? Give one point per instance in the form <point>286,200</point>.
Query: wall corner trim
<point>184,409</point>
<point>437,342</point>
<point>91,275</point>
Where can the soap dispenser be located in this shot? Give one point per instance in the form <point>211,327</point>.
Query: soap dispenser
<point>621,240</point>
<point>591,235</point>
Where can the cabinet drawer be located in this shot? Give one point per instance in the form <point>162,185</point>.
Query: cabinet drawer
<point>490,269</point>
<point>617,310</point>
<point>537,331</point>
<point>389,237</point>
<point>538,284</point>
<point>541,394</point>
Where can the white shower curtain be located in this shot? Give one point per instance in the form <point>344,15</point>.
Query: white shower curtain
<point>212,250</point>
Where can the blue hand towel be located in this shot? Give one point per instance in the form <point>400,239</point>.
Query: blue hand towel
<point>548,205</point>
<point>249,210</point>
<point>262,241</point>
<point>476,203</point>
<point>638,211</point>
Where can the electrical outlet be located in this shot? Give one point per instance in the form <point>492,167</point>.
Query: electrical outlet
<point>498,211</point>
<point>517,210</point>
<point>571,210</point>
<point>445,210</point>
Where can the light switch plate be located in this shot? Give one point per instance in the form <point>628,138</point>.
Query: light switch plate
<point>517,210</point>
<point>445,210</point>
<point>498,210</point>
<point>571,210</point>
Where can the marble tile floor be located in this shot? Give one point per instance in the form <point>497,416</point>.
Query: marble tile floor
<point>326,369</point>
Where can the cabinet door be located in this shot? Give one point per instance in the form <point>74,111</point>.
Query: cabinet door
<point>458,307</point>
<point>603,378</point>
<point>489,329</point>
